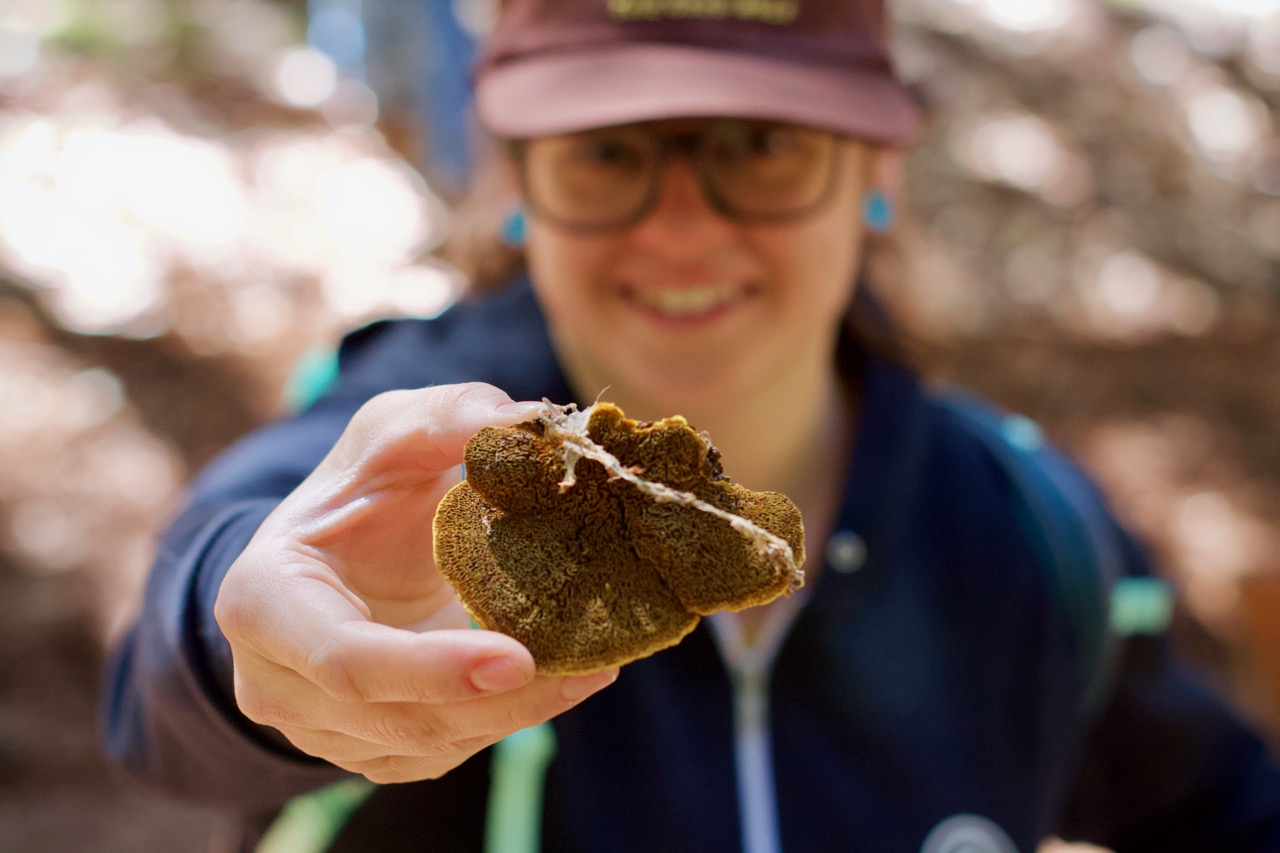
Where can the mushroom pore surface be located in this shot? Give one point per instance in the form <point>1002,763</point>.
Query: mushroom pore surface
<point>597,540</point>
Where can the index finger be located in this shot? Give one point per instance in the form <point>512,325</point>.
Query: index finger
<point>425,428</point>
<point>323,633</point>
<point>368,662</point>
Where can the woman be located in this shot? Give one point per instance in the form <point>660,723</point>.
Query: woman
<point>696,175</point>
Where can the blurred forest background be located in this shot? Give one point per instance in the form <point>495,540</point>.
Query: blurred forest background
<point>195,198</point>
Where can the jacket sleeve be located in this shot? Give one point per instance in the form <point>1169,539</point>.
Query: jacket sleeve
<point>168,711</point>
<point>1168,765</point>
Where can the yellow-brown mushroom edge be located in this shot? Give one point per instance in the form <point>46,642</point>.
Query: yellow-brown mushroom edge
<point>600,574</point>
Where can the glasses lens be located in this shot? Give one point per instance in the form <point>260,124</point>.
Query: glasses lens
<point>592,179</point>
<point>765,170</point>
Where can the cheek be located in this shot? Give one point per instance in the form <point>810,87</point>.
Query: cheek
<point>822,256</point>
<point>842,231</point>
<point>543,253</point>
<point>562,267</point>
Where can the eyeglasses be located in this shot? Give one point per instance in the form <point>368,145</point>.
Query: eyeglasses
<point>609,179</point>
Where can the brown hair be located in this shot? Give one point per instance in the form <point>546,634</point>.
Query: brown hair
<point>475,245</point>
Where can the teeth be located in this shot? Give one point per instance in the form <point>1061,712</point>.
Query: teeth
<point>686,302</point>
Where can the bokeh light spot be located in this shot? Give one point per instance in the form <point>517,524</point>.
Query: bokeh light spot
<point>305,77</point>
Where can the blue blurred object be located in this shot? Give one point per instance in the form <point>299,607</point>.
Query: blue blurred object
<point>513,227</point>
<point>416,57</point>
<point>335,27</point>
<point>314,374</point>
<point>877,211</point>
<point>446,100</point>
<point>1141,605</point>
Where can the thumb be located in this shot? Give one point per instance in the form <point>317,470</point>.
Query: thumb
<point>426,428</point>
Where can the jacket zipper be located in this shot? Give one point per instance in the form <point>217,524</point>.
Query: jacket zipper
<point>750,667</point>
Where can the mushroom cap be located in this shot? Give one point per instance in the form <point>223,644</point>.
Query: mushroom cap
<point>600,573</point>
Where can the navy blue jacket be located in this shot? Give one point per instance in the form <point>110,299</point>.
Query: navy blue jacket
<point>939,678</point>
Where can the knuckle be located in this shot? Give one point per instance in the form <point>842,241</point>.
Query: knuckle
<point>400,768</point>
<point>382,771</point>
<point>376,409</point>
<point>464,749</point>
<point>380,422</point>
<point>231,614</point>
<point>318,744</point>
<point>521,716</point>
<point>444,406</point>
<point>356,766</point>
<point>264,709</point>
<point>445,749</point>
<point>411,731</point>
<point>470,392</point>
<point>371,418</point>
<point>253,705</point>
<point>327,667</point>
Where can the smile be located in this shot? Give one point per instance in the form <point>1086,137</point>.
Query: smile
<point>687,301</point>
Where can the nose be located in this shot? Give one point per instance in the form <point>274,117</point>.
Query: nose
<point>682,220</point>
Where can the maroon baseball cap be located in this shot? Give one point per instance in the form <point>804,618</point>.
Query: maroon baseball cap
<point>556,66</point>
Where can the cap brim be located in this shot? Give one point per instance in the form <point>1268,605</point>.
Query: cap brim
<point>566,92</point>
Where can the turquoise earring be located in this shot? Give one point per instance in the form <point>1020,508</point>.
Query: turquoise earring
<point>513,227</point>
<point>877,211</point>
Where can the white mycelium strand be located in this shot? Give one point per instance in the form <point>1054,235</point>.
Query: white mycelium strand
<point>569,426</point>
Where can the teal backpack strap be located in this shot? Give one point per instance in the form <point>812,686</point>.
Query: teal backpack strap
<point>313,375</point>
<point>517,782</point>
<point>309,823</point>
<point>1076,542</point>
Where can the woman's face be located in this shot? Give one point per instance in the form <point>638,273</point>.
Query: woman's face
<point>688,308</point>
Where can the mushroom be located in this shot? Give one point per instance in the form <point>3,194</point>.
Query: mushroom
<point>597,540</point>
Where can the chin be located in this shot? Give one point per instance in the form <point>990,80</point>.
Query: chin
<point>685,391</point>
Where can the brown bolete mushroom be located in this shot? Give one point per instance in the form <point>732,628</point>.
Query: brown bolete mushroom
<point>597,540</point>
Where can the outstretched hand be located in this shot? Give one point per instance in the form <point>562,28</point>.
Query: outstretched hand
<point>344,635</point>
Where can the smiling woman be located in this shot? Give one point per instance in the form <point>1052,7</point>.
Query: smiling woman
<point>692,311</point>
<point>963,667</point>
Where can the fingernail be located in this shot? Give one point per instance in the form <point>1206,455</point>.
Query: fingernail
<point>525,410</point>
<point>577,687</point>
<point>496,674</point>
